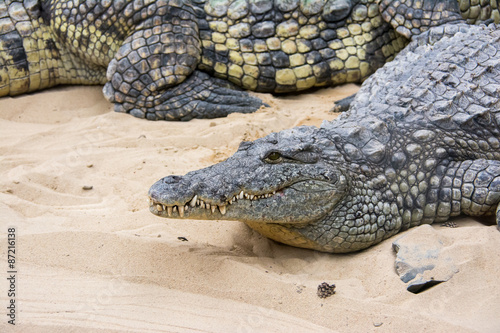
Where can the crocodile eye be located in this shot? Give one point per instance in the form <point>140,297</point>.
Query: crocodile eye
<point>273,157</point>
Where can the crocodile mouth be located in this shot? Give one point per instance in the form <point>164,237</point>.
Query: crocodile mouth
<point>196,202</point>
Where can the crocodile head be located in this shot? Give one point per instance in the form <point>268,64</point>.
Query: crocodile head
<point>277,185</point>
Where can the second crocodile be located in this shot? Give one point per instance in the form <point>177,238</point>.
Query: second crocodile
<point>183,59</point>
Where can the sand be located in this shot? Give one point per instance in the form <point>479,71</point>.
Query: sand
<point>97,261</point>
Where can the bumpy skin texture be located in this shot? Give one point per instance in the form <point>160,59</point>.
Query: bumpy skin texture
<point>176,60</point>
<point>30,57</point>
<point>417,146</point>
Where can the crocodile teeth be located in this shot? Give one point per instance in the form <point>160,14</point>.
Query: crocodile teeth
<point>199,203</point>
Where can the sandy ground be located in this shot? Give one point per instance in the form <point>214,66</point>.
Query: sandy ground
<point>97,260</point>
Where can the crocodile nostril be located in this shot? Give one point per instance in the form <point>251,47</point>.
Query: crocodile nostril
<point>172,179</point>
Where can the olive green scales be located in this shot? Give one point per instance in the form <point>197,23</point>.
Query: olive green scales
<point>177,60</point>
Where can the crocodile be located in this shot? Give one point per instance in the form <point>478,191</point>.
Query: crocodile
<point>184,59</point>
<point>419,144</point>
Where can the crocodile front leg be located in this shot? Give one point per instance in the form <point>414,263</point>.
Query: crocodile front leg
<point>154,76</point>
<point>469,187</point>
<point>199,96</point>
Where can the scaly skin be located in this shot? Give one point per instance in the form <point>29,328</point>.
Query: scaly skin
<point>154,56</point>
<point>419,144</point>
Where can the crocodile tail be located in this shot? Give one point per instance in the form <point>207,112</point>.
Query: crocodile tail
<point>30,56</point>
<point>25,48</point>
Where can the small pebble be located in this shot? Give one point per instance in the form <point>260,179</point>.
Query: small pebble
<point>87,187</point>
<point>325,290</point>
